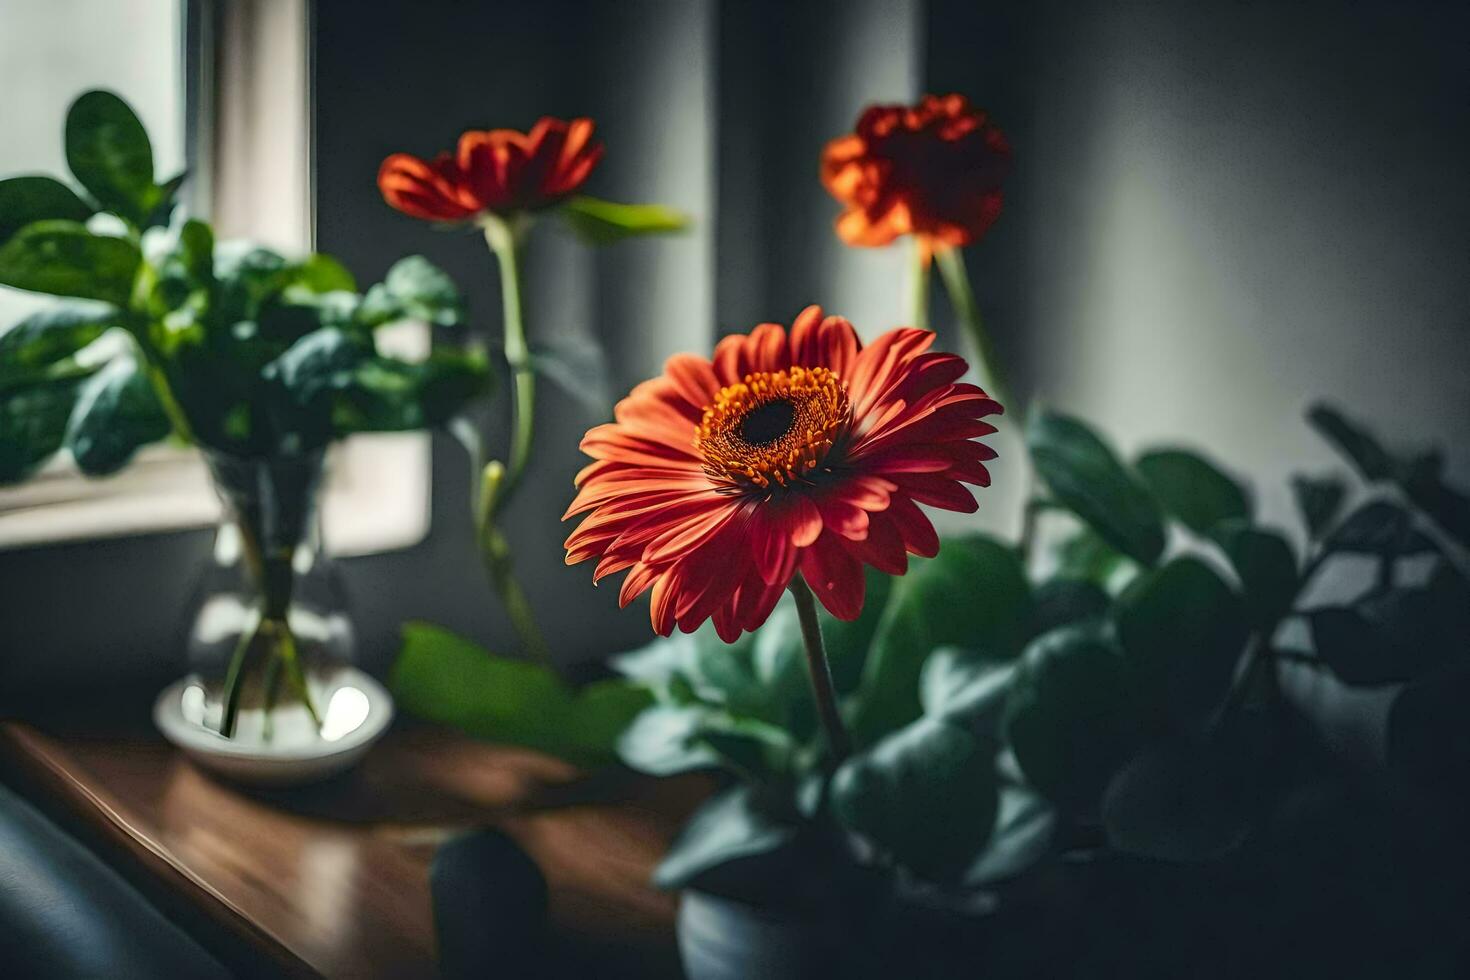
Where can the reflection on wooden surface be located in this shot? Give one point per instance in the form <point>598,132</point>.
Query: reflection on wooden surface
<point>333,879</point>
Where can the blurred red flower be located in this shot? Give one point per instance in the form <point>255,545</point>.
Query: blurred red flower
<point>499,170</point>
<point>801,451</point>
<point>933,170</point>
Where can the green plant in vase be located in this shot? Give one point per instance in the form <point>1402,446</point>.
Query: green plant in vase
<point>259,360</point>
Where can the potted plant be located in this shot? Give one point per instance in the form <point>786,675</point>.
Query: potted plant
<point>260,361</point>
<point>1065,735</point>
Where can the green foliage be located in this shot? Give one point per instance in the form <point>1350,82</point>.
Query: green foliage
<point>243,350</point>
<point>997,722</point>
<point>448,679</point>
<point>414,289</point>
<point>115,414</point>
<point>44,338</point>
<point>1193,490</point>
<point>33,420</point>
<point>1266,566</point>
<point>929,766</point>
<point>108,151</point>
<point>730,828</point>
<point>24,200</point>
<point>1178,800</point>
<point>972,595</point>
<point>63,258</point>
<point>1182,630</point>
<point>1086,476</point>
<point>1071,718</point>
<point>602,222</point>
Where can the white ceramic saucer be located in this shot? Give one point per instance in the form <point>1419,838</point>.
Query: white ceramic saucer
<point>356,710</point>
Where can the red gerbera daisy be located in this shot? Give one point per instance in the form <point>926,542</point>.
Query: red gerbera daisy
<point>933,170</point>
<point>497,170</point>
<point>788,451</point>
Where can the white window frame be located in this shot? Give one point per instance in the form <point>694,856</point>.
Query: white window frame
<point>249,135</point>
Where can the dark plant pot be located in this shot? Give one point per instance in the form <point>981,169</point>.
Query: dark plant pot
<point>725,939</point>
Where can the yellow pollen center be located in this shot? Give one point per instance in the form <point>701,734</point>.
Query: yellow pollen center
<point>774,427</point>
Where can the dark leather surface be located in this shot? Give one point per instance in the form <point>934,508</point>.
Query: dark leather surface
<point>65,914</point>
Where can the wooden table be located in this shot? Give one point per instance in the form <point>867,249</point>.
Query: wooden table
<point>333,880</point>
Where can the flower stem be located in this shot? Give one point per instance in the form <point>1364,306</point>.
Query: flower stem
<point>820,671</point>
<point>500,482</point>
<point>495,551</point>
<point>502,237</point>
<point>957,284</point>
<point>291,661</point>
<point>919,284</point>
<point>233,680</point>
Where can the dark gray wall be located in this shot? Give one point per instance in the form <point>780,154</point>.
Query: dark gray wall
<point>1220,211</point>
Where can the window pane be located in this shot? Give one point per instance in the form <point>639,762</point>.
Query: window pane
<point>53,50</point>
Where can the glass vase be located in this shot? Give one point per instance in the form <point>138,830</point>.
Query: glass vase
<point>269,636</point>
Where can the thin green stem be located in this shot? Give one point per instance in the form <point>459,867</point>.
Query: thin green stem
<point>503,239</point>
<point>291,661</point>
<point>957,285</point>
<point>919,275</point>
<point>495,550</point>
<point>824,693</point>
<point>234,675</point>
<point>500,482</point>
<point>272,685</point>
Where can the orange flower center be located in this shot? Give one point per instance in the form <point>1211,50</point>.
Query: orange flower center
<point>774,427</point>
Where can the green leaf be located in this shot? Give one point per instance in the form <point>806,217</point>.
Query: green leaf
<point>1192,489</point>
<point>116,414</point>
<point>165,201</point>
<point>665,739</point>
<point>1085,475</point>
<point>1266,566</point>
<point>1353,441</point>
<point>107,149</point>
<point>24,200</point>
<point>1025,824</point>
<point>1396,635</point>
<point>1320,501</point>
<point>414,288</point>
<point>246,277</point>
<point>1180,800</point>
<point>1065,601</point>
<point>963,688</point>
<point>50,335</point>
<point>579,370</point>
<point>972,595</point>
<point>1380,528</point>
<point>1182,630</point>
<point>450,680</point>
<point>1086,557</point>
<point>64,259</point>
<point>602,222</point>
<point>726,830</point>
<point>323,274</point>
<point>928,769</point>
<point>33,425</point>
<point>387,395</point>
<point>1069,717</point>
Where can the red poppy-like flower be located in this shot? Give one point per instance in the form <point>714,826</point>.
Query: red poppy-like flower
<point>932,170</point>
<point>787,451</point>
<point>499,170</point>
